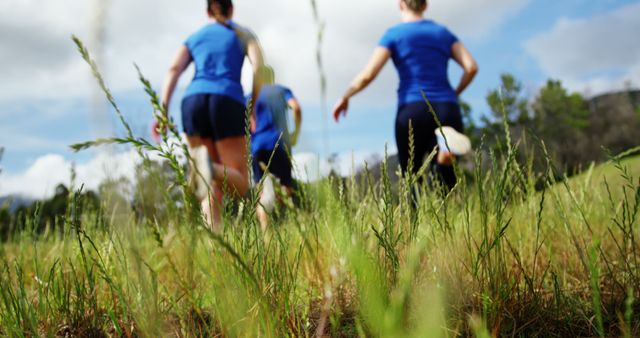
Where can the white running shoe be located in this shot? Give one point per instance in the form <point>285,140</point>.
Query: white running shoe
<point>268,196</point>
<point>202,171</point>
<point>458,144</point>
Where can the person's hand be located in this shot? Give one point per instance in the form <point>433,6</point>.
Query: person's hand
<point>156,132</point>
<point>340,108</point>
<point>160,127</point>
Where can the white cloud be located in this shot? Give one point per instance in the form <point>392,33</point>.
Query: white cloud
<point>41,179</point>
<point>309,167</point>
<point>593,54</point>
<point>43,62</point>
<point>37,56</point>
<point>47,172</point>
<point>475,18</point>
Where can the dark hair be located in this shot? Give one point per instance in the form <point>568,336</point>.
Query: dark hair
<point>416,5</point>
<point>224,5</point>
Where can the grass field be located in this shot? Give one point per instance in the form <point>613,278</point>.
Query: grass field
<point>495,257</point>
<point>492,258</point>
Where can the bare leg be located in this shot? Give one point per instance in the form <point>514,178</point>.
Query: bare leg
<point>445,169</point>
<point>263,217</point>
<point>267,202</point>
<point>211,208</point>
<point>211,205</point>
<point>231,172</point>
<point>445,158</point>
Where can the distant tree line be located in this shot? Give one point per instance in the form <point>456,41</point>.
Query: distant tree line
<point>49,214</point>
<point>151,196</point>
<point>575,131</point>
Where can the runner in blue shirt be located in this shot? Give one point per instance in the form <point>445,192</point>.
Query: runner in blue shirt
<point>420,50</point>
<point>213,107</point>
<point>271,142</point>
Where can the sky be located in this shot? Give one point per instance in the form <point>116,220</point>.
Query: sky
<point>48,99</point>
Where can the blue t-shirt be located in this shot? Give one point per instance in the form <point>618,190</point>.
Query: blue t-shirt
<point>421,51</point>
<point>218,54</point>
<point>271,118</point>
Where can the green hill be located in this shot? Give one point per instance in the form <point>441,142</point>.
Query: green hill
<point>613,173</point>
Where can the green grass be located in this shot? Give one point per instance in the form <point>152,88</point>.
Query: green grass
<point>495,257</point>
<point>487,259</point>
<point>610,172</point>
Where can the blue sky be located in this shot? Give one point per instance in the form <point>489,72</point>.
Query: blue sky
<point>47,100</point>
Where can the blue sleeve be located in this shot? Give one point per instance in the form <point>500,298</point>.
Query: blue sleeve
<point>450,38</point>
<point>288,95</point>
<point>189,42</point>
<point>387,40</point>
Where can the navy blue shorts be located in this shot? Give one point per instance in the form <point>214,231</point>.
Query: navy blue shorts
<point>213,116</point>
<point>424,126</point>
<point>280,165</point>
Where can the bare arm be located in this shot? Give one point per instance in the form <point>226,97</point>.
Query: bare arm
<point>370,72</point>
<point>464,58</point>
<point>379,58</point>
<point>181,61</point>
<point>297,118</point>
<point>254,52</point>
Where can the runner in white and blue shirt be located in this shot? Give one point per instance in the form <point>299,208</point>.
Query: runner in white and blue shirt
<point>271,138</point>
<point>271,141</point>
